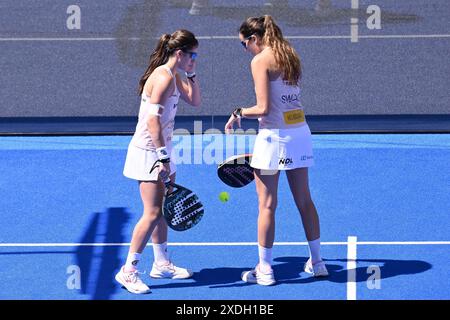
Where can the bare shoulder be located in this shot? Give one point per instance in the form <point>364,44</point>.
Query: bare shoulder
<point>160,74</point>
<point>264,59</point>
<point>160,79</point>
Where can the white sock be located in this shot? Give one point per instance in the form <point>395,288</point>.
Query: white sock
<point>265,258</point>
<point>132,261</point>
<point>314,250</point>
<point>160,253</point>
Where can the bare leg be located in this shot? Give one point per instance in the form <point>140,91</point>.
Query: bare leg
<point>299,185</point>
<point>162,266</point>
<point>152,196</point>
<point>298,182</point>
<point>159,235</point>
<point>266,187</point>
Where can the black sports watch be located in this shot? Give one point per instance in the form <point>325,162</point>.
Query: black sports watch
<point>190,76</point>
<point>237,113</point>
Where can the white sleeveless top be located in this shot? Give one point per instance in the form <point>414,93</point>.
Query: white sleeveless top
<point>285,108</point>
<point>141,137</point>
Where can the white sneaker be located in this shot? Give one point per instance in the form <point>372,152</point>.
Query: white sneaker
<point>256,276</point>
<point>317,270</point>
<point>170,271</point>
<point>131,281</point>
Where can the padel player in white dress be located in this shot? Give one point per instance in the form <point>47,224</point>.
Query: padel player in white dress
<point>283,141</point>
<point>149,153</point>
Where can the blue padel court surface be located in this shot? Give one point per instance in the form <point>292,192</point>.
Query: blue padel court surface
<point>383,201</point>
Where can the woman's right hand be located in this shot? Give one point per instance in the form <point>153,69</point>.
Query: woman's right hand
<point>230,123</point>
<point>164,171</point>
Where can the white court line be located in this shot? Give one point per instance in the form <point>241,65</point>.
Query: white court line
<point>169,244</point>
<point>351,268</point>
<point>351,244</point>
<point>406,36</point>
<point>402,242</point>
<point>336,243</point>
<point>354,30</point>
<point>387,36</point>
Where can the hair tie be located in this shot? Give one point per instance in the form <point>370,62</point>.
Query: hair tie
<point>167,49</point>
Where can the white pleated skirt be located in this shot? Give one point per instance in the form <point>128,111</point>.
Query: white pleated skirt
<point>283,149</point>
<point>140,161</point>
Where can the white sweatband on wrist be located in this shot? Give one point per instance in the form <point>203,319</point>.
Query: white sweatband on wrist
<point>153,108</point>
<point>161,153</point>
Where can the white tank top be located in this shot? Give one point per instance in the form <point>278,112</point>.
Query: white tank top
<point>285,108</point>
<point>141,137</point>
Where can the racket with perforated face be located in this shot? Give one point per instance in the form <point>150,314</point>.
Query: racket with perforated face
<point>236,171</point>
<point>182,209</point>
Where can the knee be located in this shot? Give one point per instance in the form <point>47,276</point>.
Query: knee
<point>152,213</point>
<point>306,205</point>
<point>267,208</point>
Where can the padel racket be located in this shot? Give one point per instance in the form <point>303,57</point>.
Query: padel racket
<point>236,171</point>
<point>182,208</point>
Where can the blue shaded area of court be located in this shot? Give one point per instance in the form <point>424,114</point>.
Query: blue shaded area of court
<point>70,190</point>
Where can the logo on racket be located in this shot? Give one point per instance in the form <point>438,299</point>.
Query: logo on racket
<point>236,171</point>
<point>182,208</point>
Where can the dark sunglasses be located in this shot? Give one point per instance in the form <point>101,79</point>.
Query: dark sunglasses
<point>243,42</point>
<point>193,55</point>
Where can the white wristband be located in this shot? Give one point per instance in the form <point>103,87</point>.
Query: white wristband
<point>153,109</point>
<point>161,153</point>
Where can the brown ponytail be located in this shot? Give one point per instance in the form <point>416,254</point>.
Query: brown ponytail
<point>167,44</point>
<point>286,57</point>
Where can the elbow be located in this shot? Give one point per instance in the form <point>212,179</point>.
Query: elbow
<point>264,111</point>
<point>152,120</point>
<point>152,123</point>
<point>196,102</point>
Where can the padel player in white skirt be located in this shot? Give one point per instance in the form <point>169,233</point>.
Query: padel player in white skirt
<point>283,141</point>
<point>149,153</point>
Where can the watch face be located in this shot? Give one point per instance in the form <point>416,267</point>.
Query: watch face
<point>163,152</point>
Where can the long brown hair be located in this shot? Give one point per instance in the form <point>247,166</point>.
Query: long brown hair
<point>166,46</point>
<point>286,57</point>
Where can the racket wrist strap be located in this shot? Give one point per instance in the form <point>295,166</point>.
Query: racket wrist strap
<point>162,154</point>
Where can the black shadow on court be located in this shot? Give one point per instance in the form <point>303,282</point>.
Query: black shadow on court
<point>289,270</point>
<point>99,264</point>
